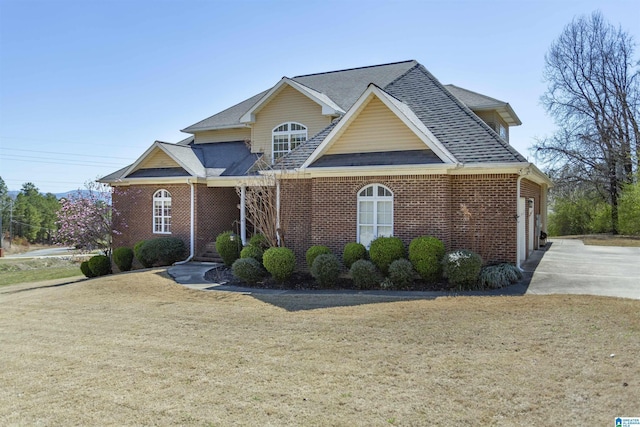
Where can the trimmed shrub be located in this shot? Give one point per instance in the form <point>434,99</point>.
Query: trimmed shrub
<point>364,274</point>
<point>279,262</point>
<point>462,268</point>
<point>161,251</point>
<point>252,251</point>
<point>314,251</point>
<point>401,273</point>
<point>228,246</point>
<point>499,276</point>
<point>326,269</point>
<point>353,252</point>
<point>100,265</point>
<point>248,269</point>
<point>84,267</point>
<point>123,258</point>
<point>138,254</point>
<point>260,241</point>
<point>425,254</point>
<point>385,250</point>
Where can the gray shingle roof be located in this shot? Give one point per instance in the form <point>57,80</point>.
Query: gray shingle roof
<point>478,102</point>
<point>297,157</point>
<point>461,131</point>
<point>227,118</point>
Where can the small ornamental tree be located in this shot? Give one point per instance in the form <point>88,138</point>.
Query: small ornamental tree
<point>85,219</point>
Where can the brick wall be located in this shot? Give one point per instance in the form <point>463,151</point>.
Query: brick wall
<point>483,216</point>
<point>476,212</point>
<point>135,207</point>
<point>216,211</point>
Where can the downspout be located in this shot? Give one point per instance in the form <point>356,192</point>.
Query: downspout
<point>278,212</point>
<point>522,174</point>
<point>192,228</point>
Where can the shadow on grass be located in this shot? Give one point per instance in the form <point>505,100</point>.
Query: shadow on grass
<point>68,281</point>
<point>315,301</point>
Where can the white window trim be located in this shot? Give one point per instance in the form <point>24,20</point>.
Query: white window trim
<point>375,199</point>
<point>288,133</point>
<point>163,199</point>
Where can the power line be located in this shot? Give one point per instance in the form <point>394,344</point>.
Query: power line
<point>64,154</point>
<point>35,159</point>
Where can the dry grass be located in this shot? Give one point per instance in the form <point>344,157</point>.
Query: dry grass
<point>137,349</point>
<point>606,240</point>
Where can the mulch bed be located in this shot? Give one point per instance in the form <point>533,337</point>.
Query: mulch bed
<point>304,281</point>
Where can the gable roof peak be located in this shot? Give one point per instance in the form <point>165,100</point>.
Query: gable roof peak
<point>356,68</point>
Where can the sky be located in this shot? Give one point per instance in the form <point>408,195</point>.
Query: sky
<point>86,86</point>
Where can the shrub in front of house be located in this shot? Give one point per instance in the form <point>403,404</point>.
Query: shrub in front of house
<point>498,276</point>
<point>326,269</point>
<point>384,250</point>
<point>402,274</point>
<point>100,265</point>
<point>314,251</point>
<point>252,251</point>
<point>279,262</point>
<point>123,258</point>
<point>139,255</point>
<point>352,252</point>
<point>248,269</point>
<point>462,268</point>
<point>260,241</point>
<point>84,267</point>
<point>425,254</point>
<point>364,274</point>
<point>161,251</point>
<point>228,246</point>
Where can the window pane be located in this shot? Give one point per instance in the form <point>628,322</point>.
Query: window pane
<point>366,213</point>
<point>383,192</point>
<point>384,231</point>
<point>385,213</point>
<point>366,235</point>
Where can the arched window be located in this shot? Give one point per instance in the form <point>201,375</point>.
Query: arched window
<point>286,137</point>
<point>375,213</point>
<point>162,212</point>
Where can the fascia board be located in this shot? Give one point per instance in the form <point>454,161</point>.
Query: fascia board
<point>236,181</point>
<point>402,111</point>
<point>126,182</point>
<point>329,107</point>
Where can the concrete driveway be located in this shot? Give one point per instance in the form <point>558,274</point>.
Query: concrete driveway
<point>571,267</point>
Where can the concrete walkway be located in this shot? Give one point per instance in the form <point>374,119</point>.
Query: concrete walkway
<point>571,267</point>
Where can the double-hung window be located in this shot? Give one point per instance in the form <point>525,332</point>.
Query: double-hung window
<point>286,137</point>
<point>375,213</point>
<point>162,212</point>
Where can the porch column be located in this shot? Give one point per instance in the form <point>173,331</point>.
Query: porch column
<point>243,215</point>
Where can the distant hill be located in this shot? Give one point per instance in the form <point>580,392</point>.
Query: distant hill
<point>13,194</point>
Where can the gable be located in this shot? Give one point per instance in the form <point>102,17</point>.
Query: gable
<point>376,129</point>
<point>288,105</point>
<point>158,160</point>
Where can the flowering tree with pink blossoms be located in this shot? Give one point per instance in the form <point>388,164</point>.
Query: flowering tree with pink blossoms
<point>85,219</point>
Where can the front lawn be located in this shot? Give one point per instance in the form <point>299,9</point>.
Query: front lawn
<point>16,270</point>
<point>138,349</point>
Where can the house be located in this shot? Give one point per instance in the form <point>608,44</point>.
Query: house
<point>350,155</point>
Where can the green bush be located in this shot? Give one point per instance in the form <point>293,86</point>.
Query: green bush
<point>260,241</point>
<point>498,276</point>
<point>314,251</point>
<point>401,273</point>
<point>138,254</point>
<point>123,258</point>
<point>364,274</point>
<point>385,250</point>
<point>100,265</point>
<point>353,252</point>
<point>279,262</point>
<point>462,268</point>
<point>228,246</point>
<point>84,267</point>
<point>252,251</point>
<point>248,269</point>
<point>425,254</point>
<point>326,269</point>
<point>161,251</point>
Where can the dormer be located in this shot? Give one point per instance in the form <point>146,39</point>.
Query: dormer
<point>497,114</point>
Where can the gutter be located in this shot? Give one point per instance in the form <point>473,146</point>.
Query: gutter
<point>191,228</point>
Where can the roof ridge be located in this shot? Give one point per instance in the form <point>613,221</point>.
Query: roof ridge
<point>402,75</point>
<point>355,68</point>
